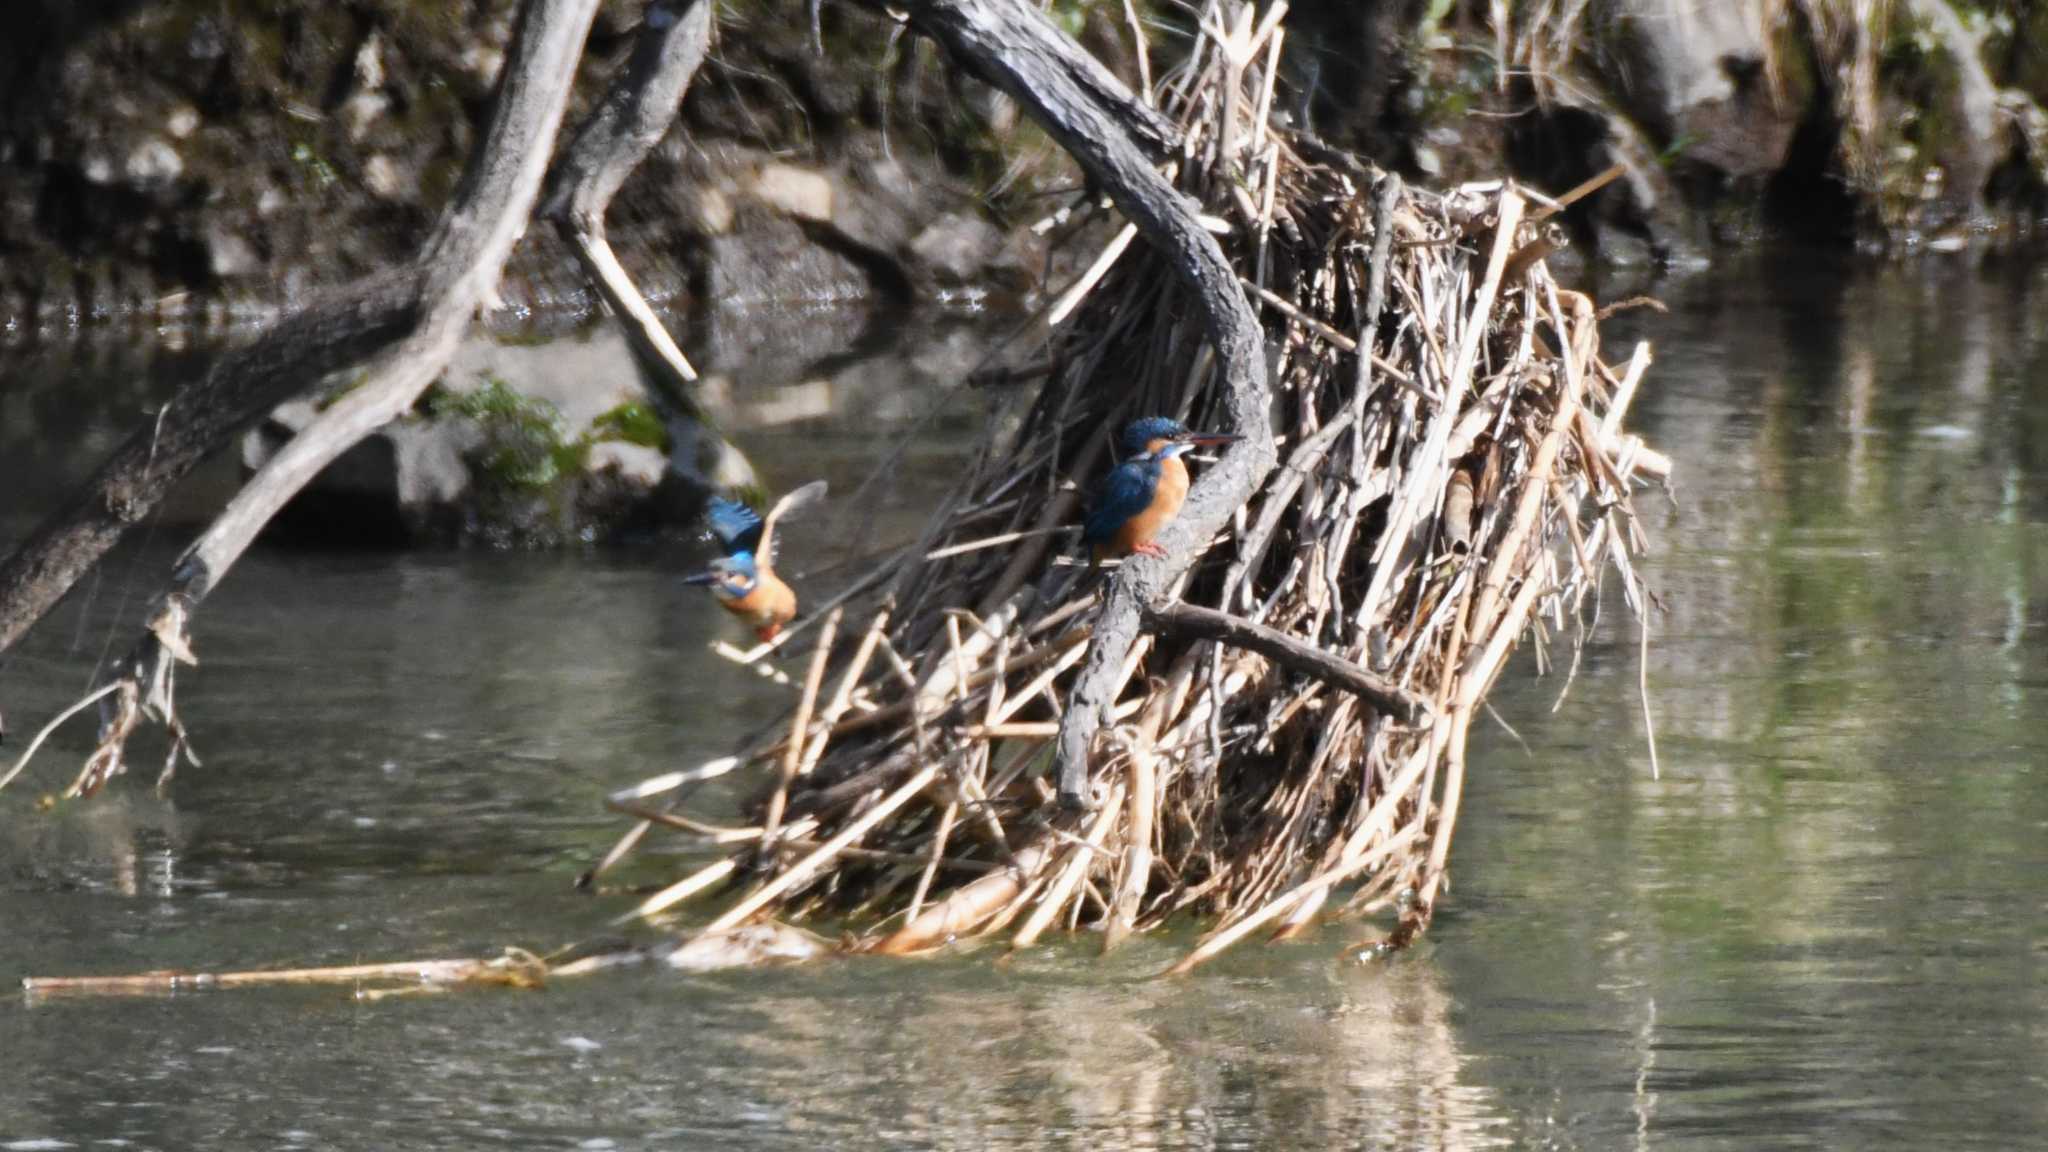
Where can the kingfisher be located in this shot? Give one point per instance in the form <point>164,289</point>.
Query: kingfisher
<point>744,580</point>
<point>1144,493</point>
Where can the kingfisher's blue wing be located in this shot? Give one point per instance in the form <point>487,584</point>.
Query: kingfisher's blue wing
<point>1124,493</point>
<point>737,526</point>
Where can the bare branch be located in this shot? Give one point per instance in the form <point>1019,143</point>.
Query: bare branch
<point>1193,622</point>
<point>635,114</point>
<point>455,275</point>
<point>329,335</point>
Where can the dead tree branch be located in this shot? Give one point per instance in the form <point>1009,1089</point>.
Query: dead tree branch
<point>331,334</point>
<point>456,274</point>
<point>340,332</point>
<point>635,114</point>
<point>1193,622</point>
<point>1258,832</point>
<point>1098,121</point>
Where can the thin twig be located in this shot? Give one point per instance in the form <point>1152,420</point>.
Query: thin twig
<point>90,699</point>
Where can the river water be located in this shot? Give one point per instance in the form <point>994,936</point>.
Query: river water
<point>1824,926</point>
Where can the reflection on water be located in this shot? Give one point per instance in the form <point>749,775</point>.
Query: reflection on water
<point>1825,926</point>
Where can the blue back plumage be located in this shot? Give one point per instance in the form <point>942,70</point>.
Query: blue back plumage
<point>1139,433</point>
<point>1124,493</point>
<point>737,526</point>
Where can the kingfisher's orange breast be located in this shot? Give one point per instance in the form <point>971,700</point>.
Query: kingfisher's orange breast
<point>767,607</point>
<point>1167,497</point>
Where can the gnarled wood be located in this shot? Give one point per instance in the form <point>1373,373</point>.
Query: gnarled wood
<point>1098,121</point>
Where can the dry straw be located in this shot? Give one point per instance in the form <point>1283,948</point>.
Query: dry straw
<point>1290,741</point>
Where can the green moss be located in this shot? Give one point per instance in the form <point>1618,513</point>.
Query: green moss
<point>1070,15</point>
<point>526,447</point>
<point>1921,81</point>
<point>308,157</point>
<point>633,422</point>
<point>1674,151</point>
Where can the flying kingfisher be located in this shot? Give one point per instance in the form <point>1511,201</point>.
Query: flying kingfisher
<point>744,579</point>
<point>1144,493</point>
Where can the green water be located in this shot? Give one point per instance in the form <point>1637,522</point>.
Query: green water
<point>1825,926</point>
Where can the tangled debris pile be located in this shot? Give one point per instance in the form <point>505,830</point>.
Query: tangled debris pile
<point>1295,746</point>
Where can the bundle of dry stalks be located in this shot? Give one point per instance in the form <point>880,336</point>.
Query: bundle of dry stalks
<point>1292,722</point>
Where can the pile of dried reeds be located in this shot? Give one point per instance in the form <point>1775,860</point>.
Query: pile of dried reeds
<point>1293,724</point>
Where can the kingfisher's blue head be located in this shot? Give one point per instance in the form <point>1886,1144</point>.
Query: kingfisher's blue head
<point>1153,433</point>
<point>1140,436</point>
<point>729,577</point>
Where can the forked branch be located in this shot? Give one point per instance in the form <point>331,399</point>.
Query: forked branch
<point>636,112</point>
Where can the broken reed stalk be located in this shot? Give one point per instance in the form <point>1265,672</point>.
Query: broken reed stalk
<point>1315,659</point>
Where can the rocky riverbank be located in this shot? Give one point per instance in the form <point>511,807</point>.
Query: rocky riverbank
<point>192,160</point>
<point>188,161</point>
<point>1902,126</point>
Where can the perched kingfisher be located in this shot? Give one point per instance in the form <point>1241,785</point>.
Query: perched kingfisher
<point>744,579</point>
<point>1144,493</point>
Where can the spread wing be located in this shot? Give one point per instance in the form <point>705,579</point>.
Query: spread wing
<point>803,497</point>
<point>1124,493</point>
<point>738,527</point>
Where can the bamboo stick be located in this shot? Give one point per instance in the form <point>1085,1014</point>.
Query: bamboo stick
<point>453,971</point>
<point>966,908</point>
<point>682,890</point>
<point>1215,944</point>
<point>793,748</point>
<point>1143,793</point>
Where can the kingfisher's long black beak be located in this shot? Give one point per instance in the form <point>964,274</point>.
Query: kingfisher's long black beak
<point>1208,439</point>
<point>701,578</point>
